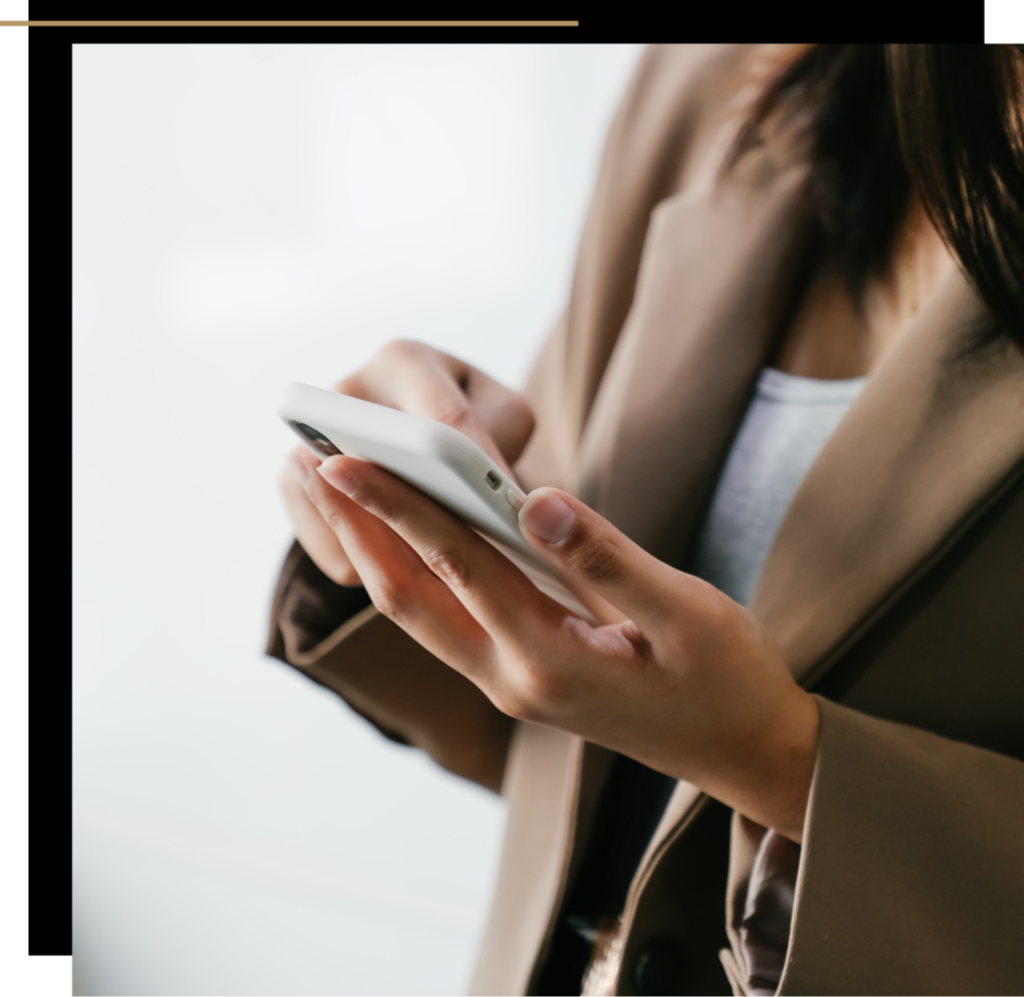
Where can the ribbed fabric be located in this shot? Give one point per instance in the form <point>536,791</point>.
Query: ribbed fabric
<point>788,422</point>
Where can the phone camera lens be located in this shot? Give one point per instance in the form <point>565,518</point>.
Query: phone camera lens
<point>314,438</point>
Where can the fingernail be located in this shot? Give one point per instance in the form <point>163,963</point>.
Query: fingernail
<point>547,517</point>
<point>297,467</point>
<point>340,479</point>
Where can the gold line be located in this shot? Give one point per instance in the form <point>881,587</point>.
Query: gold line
<point>289,24</point>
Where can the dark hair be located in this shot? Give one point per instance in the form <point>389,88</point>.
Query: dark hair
<point>883,120</point>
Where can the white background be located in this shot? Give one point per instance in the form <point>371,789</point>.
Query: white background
<point>1004,21</point>
<point>245,216</point>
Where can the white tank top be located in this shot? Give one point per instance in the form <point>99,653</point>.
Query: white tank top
<point>788,422</point>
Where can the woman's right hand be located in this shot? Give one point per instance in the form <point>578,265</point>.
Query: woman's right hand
<point>415,378</point>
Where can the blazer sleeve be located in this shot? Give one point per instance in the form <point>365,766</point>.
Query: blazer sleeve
<point>307,610</point>
<point>911,875</point>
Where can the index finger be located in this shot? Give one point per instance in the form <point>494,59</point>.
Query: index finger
<point>423,381</point>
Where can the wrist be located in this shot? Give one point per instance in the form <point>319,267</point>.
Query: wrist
<point>770,780</point>
<point>795,752</point>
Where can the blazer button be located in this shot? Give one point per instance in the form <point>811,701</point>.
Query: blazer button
<point>660,968</point>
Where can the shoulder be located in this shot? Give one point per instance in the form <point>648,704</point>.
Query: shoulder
<point>693,63</point>
<point>674,80</point>
<point>674,108</point>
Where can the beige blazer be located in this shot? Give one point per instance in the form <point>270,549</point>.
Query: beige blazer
<point>895,586</point>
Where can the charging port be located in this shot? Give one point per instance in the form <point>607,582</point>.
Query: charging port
<point>493,480</point>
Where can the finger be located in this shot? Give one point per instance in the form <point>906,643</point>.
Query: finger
<point>401,586</point>
<point>423,381</point>
<point>495,592</point>
<point>588,548</point>
<point>317,539</point>
<point>435,392</point>
<point>504,412</point>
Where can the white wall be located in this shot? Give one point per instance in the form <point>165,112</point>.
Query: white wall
<point>245,216</point>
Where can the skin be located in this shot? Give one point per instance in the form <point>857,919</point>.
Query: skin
<point>679,677</point>
<point>831,339</point>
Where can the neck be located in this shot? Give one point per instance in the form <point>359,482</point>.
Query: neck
<point>830,338</point>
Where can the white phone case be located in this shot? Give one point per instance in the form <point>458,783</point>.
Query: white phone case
<point>433,457</point>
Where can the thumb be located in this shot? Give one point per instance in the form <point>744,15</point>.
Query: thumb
<point>587,547</point>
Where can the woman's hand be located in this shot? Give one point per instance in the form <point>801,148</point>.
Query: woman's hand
<point>690,684</point>
<point>415,378</point>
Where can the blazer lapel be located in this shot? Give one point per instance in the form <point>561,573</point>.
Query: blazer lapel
<point>716,278</point>
<point>920,454</point>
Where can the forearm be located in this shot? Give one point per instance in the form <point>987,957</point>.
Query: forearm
<point>765,773</point>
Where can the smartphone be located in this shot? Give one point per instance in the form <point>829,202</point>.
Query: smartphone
<point>437,459</point>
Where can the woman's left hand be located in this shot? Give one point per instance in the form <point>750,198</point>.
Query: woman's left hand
<point>691,684</point>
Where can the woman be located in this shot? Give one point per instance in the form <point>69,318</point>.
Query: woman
<point>793,365</point>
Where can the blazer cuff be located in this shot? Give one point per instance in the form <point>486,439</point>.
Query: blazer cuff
<point>310,616</point>
<point>308,608</point>
<point>911,866</point>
